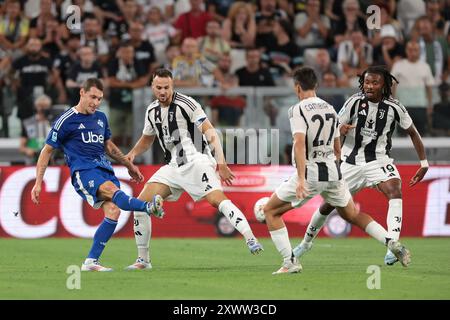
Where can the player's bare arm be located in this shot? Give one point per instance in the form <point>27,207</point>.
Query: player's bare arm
<point>143,144</point>
<point>213,139</point>
<point>420,149</point>
<point>41,166</point>
<point>337,149</point>
<point>300,160</point>
<point>114,152</point>
<point>345,128</point>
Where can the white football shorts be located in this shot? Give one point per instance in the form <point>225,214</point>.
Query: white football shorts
<point>368,175</point>
<point>335,193</point>
<point>197,178</point>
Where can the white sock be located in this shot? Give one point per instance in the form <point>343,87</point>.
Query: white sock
<point>280,238</point>
<point>394,218</point>
<point>142,232</point>
<point>236,218</point>
<point>314,226</point>
<point>375,230</point>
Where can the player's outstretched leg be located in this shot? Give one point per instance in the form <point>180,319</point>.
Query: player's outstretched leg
<point>315,225</point>
<point>273,211</point>
<point>218,199</point>
<point>101,237</point>
<point>376,231</point>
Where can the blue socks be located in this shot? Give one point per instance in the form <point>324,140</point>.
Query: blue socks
<point>125,202</point>
<point>101,237</point>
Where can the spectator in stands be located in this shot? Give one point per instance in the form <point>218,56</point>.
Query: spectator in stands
<point>38,25</point>
<point>192,24</point>
<point>283,55</point>
<point>159,33</point>
<point>107,11</point>
<point>125,74</point>
<point>87,67</point>
<point>191,69</point>
<point>218,9</point>
<point>408,11</point>
<point>117,30</point>
<point>433,50</point>
<point>441,112</point>
<point>312,27</point>
<point>67,58</point>
<point>213,46</point>
<point>239,28</point>
<point>33,76</point>
<point>92,36</point>
<point>433,9</point>
<point>349,22</point>
<point>386,20</point>
<point>172,51</point>
<point>14,28</point>
<point>35,130</point>
<point>143,49</point>
<point>165,7</point>
<point>227,110</point>
<point>322,64</point>
<point>329,80</point>
<point>390,50</point>
<point>52,42</point>
<point>267,13</point>
<point>253,74</point>
<point>354,56</point>
<point>415,86</point>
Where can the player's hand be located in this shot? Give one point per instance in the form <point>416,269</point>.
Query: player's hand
<point>345,128</point>
<point>35,192</point>
<point>135,174</point>
<point>226,174</point>
<point>301,191</point>
<point>418,176</point>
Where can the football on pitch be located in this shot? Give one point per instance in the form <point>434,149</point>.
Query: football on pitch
<point>258,209</point>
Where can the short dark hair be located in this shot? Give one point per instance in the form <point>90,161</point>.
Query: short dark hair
<point>92,82</point>
<point>306,78</point>
<point>162,73</point>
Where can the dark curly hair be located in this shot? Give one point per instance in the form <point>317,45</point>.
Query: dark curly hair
<point>387,76</point>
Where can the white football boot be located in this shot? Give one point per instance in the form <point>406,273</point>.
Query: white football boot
<point>140,264</point>
<point>94,265</point>
<point>400,252</point>
<point>302,248</point>
<point>289,266</point>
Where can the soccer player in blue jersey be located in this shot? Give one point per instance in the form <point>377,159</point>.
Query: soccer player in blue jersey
<point>83,133</point>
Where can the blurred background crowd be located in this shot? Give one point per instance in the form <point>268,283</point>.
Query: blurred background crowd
<point>48,48</point>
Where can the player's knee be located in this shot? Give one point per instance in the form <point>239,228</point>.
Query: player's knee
<point>325,209</point>
<point>113,213</point>
<point>393,193</point>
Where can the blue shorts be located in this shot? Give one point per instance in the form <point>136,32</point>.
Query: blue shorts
<point>87,182</point>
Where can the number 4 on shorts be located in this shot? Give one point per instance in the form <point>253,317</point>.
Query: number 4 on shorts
<point>205,178</point>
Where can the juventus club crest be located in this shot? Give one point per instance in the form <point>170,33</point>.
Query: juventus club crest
<point>170,116</point>
<point>381,114</point>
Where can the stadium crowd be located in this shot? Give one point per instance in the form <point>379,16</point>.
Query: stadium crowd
<point>48,48</point>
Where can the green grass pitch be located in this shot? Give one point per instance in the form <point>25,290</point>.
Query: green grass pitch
<point>223,269</point>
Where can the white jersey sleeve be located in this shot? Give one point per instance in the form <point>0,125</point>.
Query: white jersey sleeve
<point>148,130</point>
<point>404,120</point>
<point>297,120</point>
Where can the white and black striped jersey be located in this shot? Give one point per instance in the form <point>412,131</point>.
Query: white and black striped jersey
<point>318,120</point>
<point>177,129</point>
<point>375,124</point>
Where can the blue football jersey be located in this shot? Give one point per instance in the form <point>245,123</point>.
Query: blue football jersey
<point>82,138</point>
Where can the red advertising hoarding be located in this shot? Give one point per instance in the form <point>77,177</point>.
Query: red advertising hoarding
<point>62,213</point>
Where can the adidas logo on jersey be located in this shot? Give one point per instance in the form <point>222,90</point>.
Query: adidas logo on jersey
<point>363,112</point>
<point>81,126</point>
